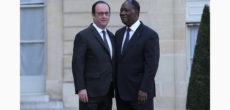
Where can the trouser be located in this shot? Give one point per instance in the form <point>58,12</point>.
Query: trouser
<point>98,103</point>
<point>133,105</point>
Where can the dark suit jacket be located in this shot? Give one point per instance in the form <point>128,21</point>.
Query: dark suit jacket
<point>137,64</point>
<point>92,65</point>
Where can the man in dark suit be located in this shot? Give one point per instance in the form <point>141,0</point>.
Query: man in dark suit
<point>137,60</point>
<point>93,61</point>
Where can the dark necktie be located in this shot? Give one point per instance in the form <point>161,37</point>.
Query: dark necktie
<point>105,40</point>
<point>126,38</point>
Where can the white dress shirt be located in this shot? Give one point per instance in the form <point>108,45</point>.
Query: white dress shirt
<point>99,30</point>
<point>133,28</point>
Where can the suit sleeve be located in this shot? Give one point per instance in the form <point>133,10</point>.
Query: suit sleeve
<point>151,54</point>
<point>78,62</point>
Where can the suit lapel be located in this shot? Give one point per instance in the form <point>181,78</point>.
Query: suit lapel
<point>119,41</point>
<point>99,39</point>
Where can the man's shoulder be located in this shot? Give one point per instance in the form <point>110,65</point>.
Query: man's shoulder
<point>86,30</point>
<point>120,30</point>
<point>148,30</point>
<point>83,34</point>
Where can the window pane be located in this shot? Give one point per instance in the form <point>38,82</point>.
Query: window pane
<point>193,37</point>
<point>32,23</point>
<point>32,59</point>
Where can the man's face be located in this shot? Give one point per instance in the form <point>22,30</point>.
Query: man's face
<point>128,14</point>
<point>102,15</point>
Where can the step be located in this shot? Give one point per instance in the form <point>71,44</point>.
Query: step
<point>34,98</point>
<point>50,109</point>
<point>42,105</point>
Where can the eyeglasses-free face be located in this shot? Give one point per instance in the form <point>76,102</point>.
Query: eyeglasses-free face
<point>128,14</point>
<point>102,15</point>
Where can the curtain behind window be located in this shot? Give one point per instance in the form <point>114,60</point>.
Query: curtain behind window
<point>32,37</point>
<point>193,37</point>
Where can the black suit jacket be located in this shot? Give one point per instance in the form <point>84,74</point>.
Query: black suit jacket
<point>92,65</point>
<point>137,64</point>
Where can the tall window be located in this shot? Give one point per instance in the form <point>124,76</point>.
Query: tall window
<point>194,9</point>
<point>32,46</point>
<point>32,37</point>
<point>192,31</point>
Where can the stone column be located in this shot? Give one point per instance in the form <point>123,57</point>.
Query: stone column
<point>54,49</point>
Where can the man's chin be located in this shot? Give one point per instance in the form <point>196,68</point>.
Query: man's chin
<point>104,24</point>
<point>125,22</point>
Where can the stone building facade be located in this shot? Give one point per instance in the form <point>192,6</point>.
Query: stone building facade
<point>65,18</point>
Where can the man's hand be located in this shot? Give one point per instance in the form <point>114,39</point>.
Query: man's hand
<point>142,97</point>
<point>83,95</point>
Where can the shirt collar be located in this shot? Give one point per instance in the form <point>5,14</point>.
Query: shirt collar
<point>99,30</point>
<point>135,25</point>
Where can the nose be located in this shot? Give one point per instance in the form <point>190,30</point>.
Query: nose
<point>122,12</point>
<point>104,15</point>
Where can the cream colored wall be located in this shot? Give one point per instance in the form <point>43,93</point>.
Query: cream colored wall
<point>67,17</point>
<point>54,77</point>
<point>168,19</point>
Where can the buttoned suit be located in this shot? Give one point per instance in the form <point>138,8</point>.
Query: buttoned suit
<point>92,65</point>
<point>137,63</point>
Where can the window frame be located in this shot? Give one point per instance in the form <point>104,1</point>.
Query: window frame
<point>188,42</point>
<point>44,41</point>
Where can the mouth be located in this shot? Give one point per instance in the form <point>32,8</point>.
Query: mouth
<point>124,18</point>
<point>104,20</point>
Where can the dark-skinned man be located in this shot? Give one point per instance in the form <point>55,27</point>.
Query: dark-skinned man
<point>137,58</point>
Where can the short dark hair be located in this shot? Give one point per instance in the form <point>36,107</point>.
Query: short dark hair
<point>135,4</point>
<point>95,4</point>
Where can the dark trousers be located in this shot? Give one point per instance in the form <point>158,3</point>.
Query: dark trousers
<point>98,103</point>
<point>133,105</point>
